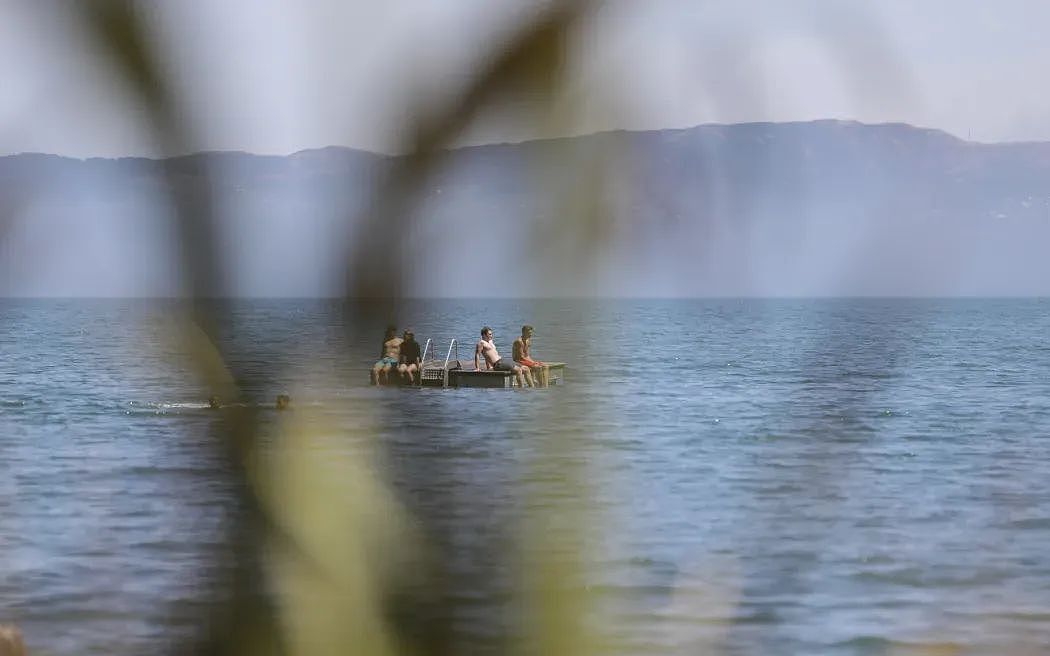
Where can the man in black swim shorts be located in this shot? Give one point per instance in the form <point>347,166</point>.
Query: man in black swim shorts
<point>486,349</point>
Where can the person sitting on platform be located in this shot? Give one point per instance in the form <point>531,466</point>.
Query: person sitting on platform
<point>486,350</point>
<point>410,360</point>
<point>521,356</point>
<point>388,356</point>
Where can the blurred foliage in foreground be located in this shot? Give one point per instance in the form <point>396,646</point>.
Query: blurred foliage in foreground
<point>325,559</point>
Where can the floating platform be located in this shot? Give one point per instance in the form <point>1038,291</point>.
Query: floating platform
<point>456,372</point>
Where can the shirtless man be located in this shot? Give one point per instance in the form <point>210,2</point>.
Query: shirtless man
<point>388,356</point>
<point>521,356</point>
<point>486,351</point>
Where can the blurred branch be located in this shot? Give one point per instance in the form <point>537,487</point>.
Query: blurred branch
<point>530,63</point>
<point>242,624</point>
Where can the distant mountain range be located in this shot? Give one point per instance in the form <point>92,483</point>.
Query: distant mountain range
<point>779,208</point>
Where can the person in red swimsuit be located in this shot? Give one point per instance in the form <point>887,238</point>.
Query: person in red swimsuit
<point>522,357</point>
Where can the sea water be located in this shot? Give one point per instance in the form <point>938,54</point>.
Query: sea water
<point>840,476</point>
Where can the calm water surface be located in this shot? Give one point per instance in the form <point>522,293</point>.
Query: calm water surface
<point>759,477</point>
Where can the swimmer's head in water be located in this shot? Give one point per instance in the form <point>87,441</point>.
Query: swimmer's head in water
<point>11,643</point>
<point>283,401</point>
<point>213,402</point>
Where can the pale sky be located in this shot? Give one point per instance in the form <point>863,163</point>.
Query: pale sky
<point>276,77</point>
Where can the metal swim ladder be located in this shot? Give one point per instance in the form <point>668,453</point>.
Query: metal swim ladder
<point>435,375</point>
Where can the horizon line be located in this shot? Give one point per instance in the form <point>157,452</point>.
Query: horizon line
<point>408,299</point>
<point>489,144</point>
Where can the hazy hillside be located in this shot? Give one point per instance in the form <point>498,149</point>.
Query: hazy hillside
<point>826,207</point>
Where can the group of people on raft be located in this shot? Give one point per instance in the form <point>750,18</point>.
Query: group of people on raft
<point>402,354</point>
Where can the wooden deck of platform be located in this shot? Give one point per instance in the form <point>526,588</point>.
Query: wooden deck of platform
<point>472,378</point>
<point>461,373</point>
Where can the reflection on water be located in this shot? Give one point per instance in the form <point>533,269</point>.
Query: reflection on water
<point>747,476</point>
